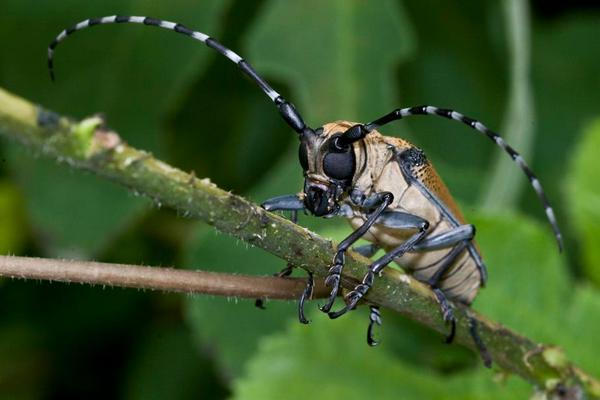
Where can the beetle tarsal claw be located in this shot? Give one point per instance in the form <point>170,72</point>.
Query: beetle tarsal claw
<point>306,294</point>
<point>374,319</point>
<point>351,299</point>
<point>325,308</point>
<point>333,281</point>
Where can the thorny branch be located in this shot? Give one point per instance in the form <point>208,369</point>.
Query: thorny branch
<point>86,145</point>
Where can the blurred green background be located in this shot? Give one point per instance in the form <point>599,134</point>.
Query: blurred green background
<point>530,70</point>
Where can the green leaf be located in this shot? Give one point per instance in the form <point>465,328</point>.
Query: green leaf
<point>125,71</point>
<point>330,359</point>
<point>13,228</point>
<point>165,365</point>
<point>342,68</point>
<point>24,374</point>
<point>583,193</point>
<point>580,328</point>
<point>74,213</point>
<point>528,282</point>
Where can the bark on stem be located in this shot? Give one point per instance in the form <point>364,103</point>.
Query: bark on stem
<point>86,145</point>
<point>155,278</point>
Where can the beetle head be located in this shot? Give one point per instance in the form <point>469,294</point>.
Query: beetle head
<point>329,167</point>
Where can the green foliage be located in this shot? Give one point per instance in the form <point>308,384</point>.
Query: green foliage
<point>340,59</point>
<point>339,70</point>
<point>330,359</point>
<point>77,215</point>
<point>187,373</point>
<point>583,191</point>
<point>12,215</point>
<point>522,258</point>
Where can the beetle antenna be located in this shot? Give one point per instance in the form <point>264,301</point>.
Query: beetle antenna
<point>451,114</point>
<point>286,109</point>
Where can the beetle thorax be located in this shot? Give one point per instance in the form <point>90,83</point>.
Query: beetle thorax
<point>332,171</point>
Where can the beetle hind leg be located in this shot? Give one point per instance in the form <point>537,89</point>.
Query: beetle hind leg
<point>445,307</point>
<point>483,351</point>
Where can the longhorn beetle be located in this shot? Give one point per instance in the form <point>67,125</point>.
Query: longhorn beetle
<point>387,189</point>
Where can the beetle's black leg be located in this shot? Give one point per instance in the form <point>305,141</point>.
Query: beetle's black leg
<point>483,351</point>
<point>307,294</point>
<point>377,266</point>
<point>379,200</point>
<point>374,319</point>
<point>288,202</point>
<point>367,250</point>
<point>450,238</point>
<point>260,303</point>
<point>286,271</point>
<point>446,239</point>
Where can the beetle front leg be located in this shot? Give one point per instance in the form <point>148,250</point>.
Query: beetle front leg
<point>381,201</point>
<point>377,266</point>
<point>288,202</point>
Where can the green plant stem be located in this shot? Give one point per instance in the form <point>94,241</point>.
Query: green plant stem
<point>505,181</point>
<point>87,145</point>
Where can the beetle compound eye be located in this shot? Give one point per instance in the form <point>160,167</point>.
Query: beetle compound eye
<point>339,165</point>
<point>303,156</point>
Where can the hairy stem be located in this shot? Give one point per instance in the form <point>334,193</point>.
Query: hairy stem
<point>87,145</point>
<point>155,278</point>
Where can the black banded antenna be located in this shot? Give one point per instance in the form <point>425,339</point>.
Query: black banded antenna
<point>357,132</point>
<point>286,109</point>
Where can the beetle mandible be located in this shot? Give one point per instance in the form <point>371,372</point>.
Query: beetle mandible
<point>385,186</point>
